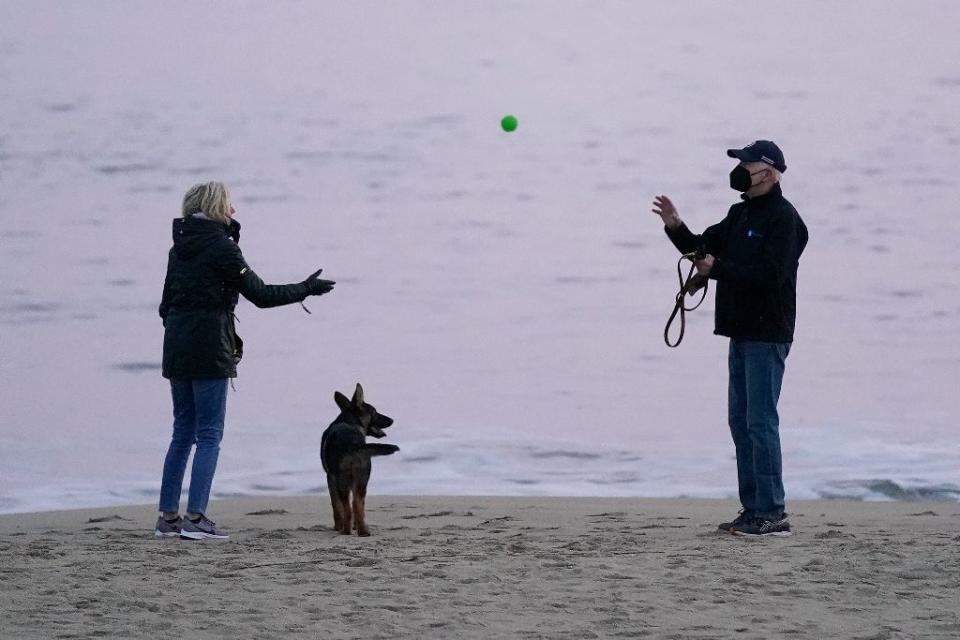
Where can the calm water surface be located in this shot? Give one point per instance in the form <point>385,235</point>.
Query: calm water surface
<point>501,295</point>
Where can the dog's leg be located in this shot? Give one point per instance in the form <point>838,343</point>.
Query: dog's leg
<point>359,511</point>
<point>335,504</point>
<point>360,500</point>
<point>360,507</point>
<point>343,496</point>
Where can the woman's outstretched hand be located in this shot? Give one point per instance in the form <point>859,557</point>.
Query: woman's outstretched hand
<point>316,286</point>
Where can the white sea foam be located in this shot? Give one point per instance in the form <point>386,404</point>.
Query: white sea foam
<point>829,463</point>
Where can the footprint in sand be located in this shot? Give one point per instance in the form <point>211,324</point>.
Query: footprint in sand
<point>105,519</point>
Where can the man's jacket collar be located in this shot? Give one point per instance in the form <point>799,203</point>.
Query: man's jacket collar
<point>774,194</point>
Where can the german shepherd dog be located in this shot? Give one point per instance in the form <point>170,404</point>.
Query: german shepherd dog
<point>346,458</point>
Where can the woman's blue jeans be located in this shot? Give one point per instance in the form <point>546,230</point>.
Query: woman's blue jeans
<point>756,374</point>
<point>199,409</point>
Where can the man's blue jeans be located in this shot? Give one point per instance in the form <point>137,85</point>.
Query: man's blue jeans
<point>756,374</point>
<point>199,409</point>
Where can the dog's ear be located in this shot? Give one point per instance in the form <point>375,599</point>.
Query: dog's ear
<point>358,396</point>
<point>341,400</point>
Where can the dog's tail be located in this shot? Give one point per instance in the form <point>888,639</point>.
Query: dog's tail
<point>380,449</point>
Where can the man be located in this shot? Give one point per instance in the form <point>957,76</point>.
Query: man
<point>753,255</point>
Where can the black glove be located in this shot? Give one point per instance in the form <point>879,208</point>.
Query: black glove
<point>316,286</point>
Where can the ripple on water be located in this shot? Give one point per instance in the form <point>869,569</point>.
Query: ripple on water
<point>136,366</point>
<point>906,293</point>
<point>587,279</point>
<point>60,107</point>
<point>258,198</point>
<point>947,81</point>
<point>14,234</point>
<point>559,453</point>
<point>628,244</point>
<point>18,308</point>
<point>427,458</point>
<point>309,156</point>
<point>131,167</point>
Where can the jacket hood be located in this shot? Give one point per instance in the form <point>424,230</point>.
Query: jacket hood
<point>192,235</point>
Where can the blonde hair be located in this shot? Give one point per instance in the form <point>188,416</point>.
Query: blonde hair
<point>210,198</point>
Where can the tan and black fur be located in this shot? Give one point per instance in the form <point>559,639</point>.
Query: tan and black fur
<point>346,458</point>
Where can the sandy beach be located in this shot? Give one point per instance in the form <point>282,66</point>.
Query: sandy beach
<point>479,567</point>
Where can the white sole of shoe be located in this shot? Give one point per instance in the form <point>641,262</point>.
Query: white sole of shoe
<point>200,535</point>
<point>776,534</point>
<point>160,534</point>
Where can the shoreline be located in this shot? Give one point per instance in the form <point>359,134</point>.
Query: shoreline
<point>233,504</point>
<point>481,567</point>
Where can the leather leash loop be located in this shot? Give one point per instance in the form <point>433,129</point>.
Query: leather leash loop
<point>689,286</point>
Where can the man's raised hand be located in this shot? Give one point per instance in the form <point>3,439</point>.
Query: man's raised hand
<point>663,207</point>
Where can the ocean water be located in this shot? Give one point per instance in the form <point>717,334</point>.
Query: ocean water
<point>502,296</point>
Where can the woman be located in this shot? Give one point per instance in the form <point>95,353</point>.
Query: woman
<point>201,348</point>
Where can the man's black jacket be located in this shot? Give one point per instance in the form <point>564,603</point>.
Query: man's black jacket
<point>205,273</point>
<point>757,249</point>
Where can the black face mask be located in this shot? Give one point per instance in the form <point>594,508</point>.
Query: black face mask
<point>741,179</point>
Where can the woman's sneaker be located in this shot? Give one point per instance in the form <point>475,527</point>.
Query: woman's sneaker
<point>167,528</point>
<point>762,527</point>
<point>201,529</point>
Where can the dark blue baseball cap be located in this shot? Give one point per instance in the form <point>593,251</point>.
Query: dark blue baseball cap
<point>760,151</point>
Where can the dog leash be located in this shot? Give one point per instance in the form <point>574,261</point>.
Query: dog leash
<point>693,282</point>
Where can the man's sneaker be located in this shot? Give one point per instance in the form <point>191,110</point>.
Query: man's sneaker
<point>742,518</point>
<point>202,528</point>
<point>166,529</point>
<point>761,527</point>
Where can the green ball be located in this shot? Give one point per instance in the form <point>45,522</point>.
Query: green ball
<point>509,123</point>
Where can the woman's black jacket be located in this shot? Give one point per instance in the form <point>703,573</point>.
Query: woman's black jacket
<point>205,273</point>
